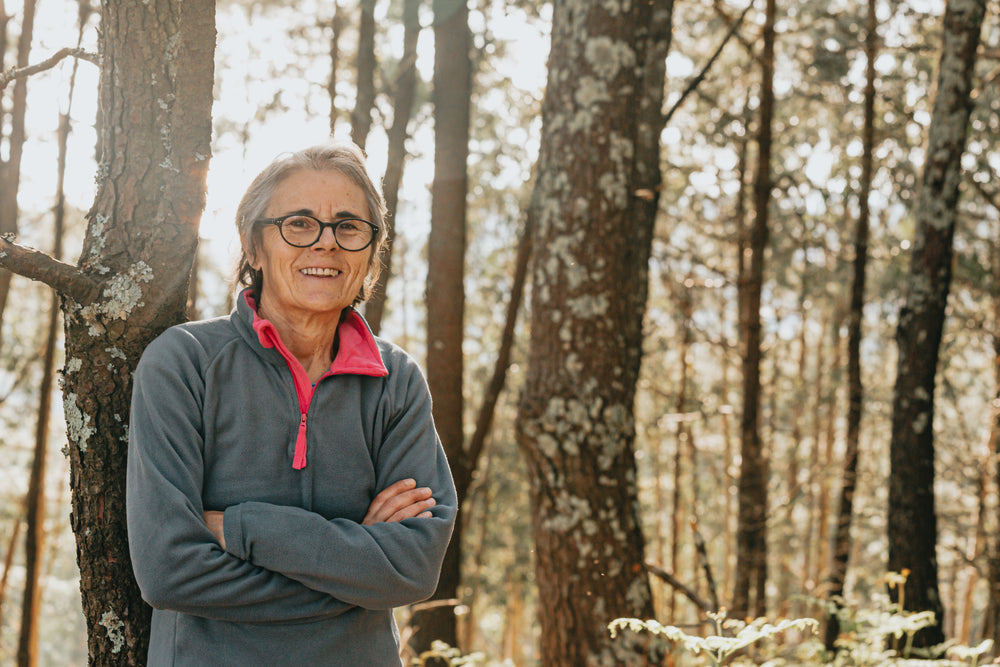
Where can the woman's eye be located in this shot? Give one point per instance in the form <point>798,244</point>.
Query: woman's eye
<point>298,223</point>
<point>350,226</point>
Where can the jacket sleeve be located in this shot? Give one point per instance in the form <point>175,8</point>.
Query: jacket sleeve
<point>177,561</point>
<point>375,567</point>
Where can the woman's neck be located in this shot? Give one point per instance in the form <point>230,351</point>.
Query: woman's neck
<point>310,339</point>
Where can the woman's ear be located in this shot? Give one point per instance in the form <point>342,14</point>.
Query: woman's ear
<point>250,252</point>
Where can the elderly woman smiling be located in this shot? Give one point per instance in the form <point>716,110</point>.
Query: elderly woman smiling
<point>286,487</point>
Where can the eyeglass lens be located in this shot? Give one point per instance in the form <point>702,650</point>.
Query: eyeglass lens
<point>303,231</point>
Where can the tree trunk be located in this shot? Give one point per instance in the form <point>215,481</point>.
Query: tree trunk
<point>11,169</point>
<point>336,26</point>
<point>8,560</point>
<point>155,108</point>
<point>912,523</point>
<point>841,547</point>
<point>595,203</point>
<point>402,110</point>
<point>27,650</point>
<point>445,289</point>
<point>679,508</point>
<point>728,562</point>
<point>992,621</point>
<point>361,118</point>
<point>749,596</point>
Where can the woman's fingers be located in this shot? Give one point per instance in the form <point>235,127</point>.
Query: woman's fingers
<point>399,501</point>
<point>214,521</point>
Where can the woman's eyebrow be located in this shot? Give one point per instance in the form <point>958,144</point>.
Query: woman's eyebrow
<point>339,215</point>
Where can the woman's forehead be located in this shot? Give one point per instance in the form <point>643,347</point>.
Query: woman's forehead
<point>319,189</point>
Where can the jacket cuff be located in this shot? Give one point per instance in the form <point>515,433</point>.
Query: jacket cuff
<point>232,527</point>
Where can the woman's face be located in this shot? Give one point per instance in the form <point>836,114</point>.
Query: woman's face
<point>323,278</point>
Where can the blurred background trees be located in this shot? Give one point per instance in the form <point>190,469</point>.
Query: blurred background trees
<point>850,115</point>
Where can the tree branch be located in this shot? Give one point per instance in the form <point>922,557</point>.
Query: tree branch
<point>696,81</point>
<point>699,543</point>
<point>48,63</point>
<point>487,409</point>
<point>676,583</point>
<point>991,198</point>
<point>36,265</point>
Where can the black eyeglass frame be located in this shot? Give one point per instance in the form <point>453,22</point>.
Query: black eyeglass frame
<point>280,220</point>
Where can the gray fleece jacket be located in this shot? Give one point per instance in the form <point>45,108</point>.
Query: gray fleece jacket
<point>224,418</point>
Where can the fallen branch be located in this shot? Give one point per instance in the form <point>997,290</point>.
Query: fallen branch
<point>48,63</point>
<point>33,264</point>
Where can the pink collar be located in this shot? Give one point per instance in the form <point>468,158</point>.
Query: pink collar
<point>357,351</point>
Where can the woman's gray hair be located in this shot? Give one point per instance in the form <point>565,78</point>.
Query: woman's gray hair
<point>345,158</point>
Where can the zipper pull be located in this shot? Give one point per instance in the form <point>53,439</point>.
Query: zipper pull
<point>299,460</point>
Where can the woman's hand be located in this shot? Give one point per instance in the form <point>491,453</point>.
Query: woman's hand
<point>400,501</point>
<point>214,522</point>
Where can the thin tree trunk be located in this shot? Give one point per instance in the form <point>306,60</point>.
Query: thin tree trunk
<point>402,111</point>
<point>728,562</point>
<point>681,444</point>
<point>992,621</point>
<point>841,547</point>
<point>445,287</point>
<point>11,171</point>
<point>336,26</point>
<point>829,437</point>
<point>813,496</point>
<point>749,597</point>
<point>27,650</point>
<point>797,486</point>
<point>361,118</point>
<point>4,22</point>
<point>8,560</point>
<point>513,622</point>
<point>729,479</point>
<point>912,525</point>
<point>963,619</point>
<point>657,544</point>
<point>595,203</point>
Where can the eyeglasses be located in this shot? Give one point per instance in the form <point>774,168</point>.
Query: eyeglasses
<point>302,231</point>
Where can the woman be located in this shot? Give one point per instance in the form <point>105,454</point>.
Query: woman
<point>286,487</point>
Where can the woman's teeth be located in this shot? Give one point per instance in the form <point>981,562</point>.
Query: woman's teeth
<point>320,272</point>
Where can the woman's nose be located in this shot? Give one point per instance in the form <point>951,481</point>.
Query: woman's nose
<point>327,239</point>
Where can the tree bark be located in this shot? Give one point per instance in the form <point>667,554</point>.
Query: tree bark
<point>841,547</point>
<point>445,289</point>
<point>361,117</point>
<point>912,525</point>
<point>749,595</point>
<point>402,110</point>
<point>155,108</point>
<point>595,204</point>
<point>10,173</point>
